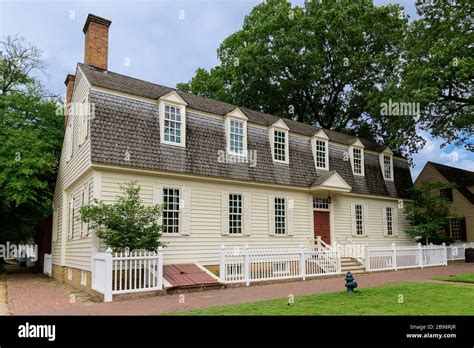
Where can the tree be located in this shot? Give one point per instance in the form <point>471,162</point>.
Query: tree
<point>31,135</point>
<point>327,63</point>
<point>429,213</point>
<point>126,224</point>
<point>439,69</point>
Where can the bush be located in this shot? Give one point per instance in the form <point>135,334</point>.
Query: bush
<point>126,224</point>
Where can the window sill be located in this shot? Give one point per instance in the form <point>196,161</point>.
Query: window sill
<point>360,236</point>
<point>387,236</point>
<point>281,162</point>
<point>281,235</point>
<point>174,235</point>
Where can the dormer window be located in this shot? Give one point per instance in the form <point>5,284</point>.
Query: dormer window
<point>386,163</point>
<point>236,137</point>
<point>320,147</point>
<point>356,151</point>
<point>357,160</point>
<point>173,124</point>
<point>387,167</point>
<point>236,132</point>
<point>173,119</point>
<point>279,142</point>
<point>279,146</point>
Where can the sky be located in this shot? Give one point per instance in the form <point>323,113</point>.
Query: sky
<point>162,41</point>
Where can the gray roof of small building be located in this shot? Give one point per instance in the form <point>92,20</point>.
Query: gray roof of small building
<point>126,132</point>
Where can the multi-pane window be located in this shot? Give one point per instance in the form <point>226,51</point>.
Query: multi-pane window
<point>280,216</point>
<point>236,137</point>
<point>359,220</point>
<point>387,167</point>
<point>457,229</point>
<point>357,160</point>
<point>279,146</point>
<point>389,220</point>
<point>446,193</point>
<point>173,122</point>
<point>321,154</point>
<point>171,210</point>
<point>235,214</point>
<point>320,203</point>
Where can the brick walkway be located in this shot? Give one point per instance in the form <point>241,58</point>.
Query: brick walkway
<point>36,294</point>
<point>43,296</point>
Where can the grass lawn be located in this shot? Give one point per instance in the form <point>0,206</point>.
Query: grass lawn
<point>418,299</point>
<point>462,278</point>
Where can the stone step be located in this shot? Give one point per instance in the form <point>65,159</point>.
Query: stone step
<point>357,268</point>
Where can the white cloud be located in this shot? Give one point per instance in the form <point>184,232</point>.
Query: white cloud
<point>452,156</point>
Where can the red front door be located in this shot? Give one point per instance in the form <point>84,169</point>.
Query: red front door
<point>321,226</point>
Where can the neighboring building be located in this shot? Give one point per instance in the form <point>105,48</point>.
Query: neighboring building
<point>292,181</point>
<point>461,228</point>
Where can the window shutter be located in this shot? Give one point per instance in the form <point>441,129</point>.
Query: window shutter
<point>365,217</point>
<point>55,224</point>
<point>353,222</point>
<point>384,220</point>
<point>225,213</point>
<point>247,214</point>
<point>463,229</point>
<point>158,199</point>
<point>271,215</point>
<point>395,220</point>
<point>184,208</point>
<point>289,215</point>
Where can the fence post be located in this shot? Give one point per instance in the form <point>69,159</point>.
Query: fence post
<point>367,260</point>
<point>160,268</point>
<point>394,255</point>
<point>445,255</point>
<point>222,274</point>
<point>420,253</point>
<point>108,276</point>
<point>302,263</point>
<point>246,265</point>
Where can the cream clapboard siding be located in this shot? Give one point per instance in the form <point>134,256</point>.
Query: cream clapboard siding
<point>79,244</point>
<point>203,243</point>
<point>70,170</point>
<point>460,204</point>
<point>374,228</point>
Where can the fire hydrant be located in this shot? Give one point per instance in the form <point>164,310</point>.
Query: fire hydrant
<point>351,284</point>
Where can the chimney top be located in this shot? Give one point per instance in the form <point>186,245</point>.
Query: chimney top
<point>69,77</point>
<point>95,19</point>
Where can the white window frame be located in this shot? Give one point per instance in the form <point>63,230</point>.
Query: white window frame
<point>280,126</point>
<point>84,116</point>
<point>361,149</point>
<point>394,220</point>
<point>320,137</point>
<point>231,214</point>
<point>321,204</point>
<point>363,217</point>
<point>70,219</point>
<point>284,216</point>
<point>70,140</point>
<point>172,99</point>
<point>280,152</point>
<point>179,211</point>
<point>389,154</point>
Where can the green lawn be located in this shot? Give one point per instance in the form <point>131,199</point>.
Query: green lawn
<point>461,278</point>
<point>418,299</point>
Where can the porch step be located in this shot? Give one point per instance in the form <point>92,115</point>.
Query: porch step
<point>352,265</point>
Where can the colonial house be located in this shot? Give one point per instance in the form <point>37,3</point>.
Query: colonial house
<point>460,227</point>
<point>227,175</point>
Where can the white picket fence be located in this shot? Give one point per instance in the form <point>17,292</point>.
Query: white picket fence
<point>244,265</point>
<point>458,251</point>
<point>400,257</point>
<point>126,272</point>
<point>47,265</point>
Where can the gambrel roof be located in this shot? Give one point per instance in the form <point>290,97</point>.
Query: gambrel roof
<point>119,126</point>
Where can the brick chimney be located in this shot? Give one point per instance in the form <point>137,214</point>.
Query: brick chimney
<point>69,82</point>
<point>96,48</point>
